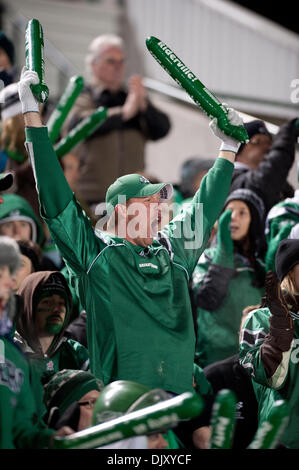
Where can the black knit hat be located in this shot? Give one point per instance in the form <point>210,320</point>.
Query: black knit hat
<point>53,285</point>
<point>257,212</point>
<point>64,388</point>
<point>249,197</point>
<point>287,256</point>
<point>253,128</point>
<point>7,46</point>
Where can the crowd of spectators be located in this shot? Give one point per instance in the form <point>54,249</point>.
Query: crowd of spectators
<point>187,287</point>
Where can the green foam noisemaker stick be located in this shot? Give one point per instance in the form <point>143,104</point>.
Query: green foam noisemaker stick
<point>203,97</point>
<point>270,430</point>
<point>80,132</point>
<point>223,420</point>
<point>64,106</point>
<point>34,58</point>
<point>155,418</point>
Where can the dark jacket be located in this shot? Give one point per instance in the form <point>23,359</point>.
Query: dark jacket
<point>269,179</point>
<point>229,374</point>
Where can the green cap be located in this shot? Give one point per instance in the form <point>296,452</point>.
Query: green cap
<point>6,180</point>
<point>135,185</point>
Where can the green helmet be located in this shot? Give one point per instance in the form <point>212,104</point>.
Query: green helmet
<point>122,397</point>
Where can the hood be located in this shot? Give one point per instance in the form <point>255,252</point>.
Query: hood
<point>16,208</point>
<point>29,290</point>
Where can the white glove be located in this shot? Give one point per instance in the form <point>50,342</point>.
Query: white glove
<point>228,143</point>
<point>28,101</point>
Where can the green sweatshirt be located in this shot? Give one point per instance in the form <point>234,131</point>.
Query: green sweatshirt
<point>284,384</point>
<point>139,317</point>
<point>19,427</point>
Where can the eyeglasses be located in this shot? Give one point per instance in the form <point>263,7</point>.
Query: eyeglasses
<point>110,61</point>
<point>115,62</point>
<point>89,403</point>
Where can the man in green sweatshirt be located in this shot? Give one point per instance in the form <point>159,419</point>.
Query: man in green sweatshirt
<point>132,281</point>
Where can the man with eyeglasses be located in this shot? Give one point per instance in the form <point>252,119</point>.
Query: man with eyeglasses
<point>132,120</point>
<point>79,400</point>
<point>263,164</point>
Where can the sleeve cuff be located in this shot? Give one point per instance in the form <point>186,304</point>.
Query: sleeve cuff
<point>40,133</point>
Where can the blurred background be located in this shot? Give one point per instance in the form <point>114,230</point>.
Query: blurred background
<point>247,53</point>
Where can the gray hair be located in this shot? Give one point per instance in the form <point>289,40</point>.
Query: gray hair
<point>98,45</point>
<point>10,254</point>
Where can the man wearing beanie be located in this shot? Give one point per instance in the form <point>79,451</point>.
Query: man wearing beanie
<point>40,329</point>
<point>17,407</point>
<point>270,338</point>
<point>69,397</point>
<point>8,73</point>
<point>263,164</point>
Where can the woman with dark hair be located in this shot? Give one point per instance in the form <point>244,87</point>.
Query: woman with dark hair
<point>229,277</point>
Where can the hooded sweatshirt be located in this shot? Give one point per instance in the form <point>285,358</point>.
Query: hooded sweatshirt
<point>17,208</point>
<point>19,424</point>
<point>63,353</point>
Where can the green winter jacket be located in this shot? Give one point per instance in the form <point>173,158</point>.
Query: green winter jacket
<point>139,323</point>
<point>279,223</point>
<point>15,206</point>
<point>221,293</point>
<point>284,384</point>
<point>19,424</point>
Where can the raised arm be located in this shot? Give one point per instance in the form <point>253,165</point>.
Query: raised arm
<point>271,175</point>
<point>46,165</point>
<point>69,226</point>
<point>197,220</point>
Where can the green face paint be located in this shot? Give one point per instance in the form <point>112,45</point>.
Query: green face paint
<point>223,420</point>
<point>53,328</point>
<point>85,128</point>
<point>34,58</point>
<point>203,97</point>
<point>48,320</point>
<point>64,106</point>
